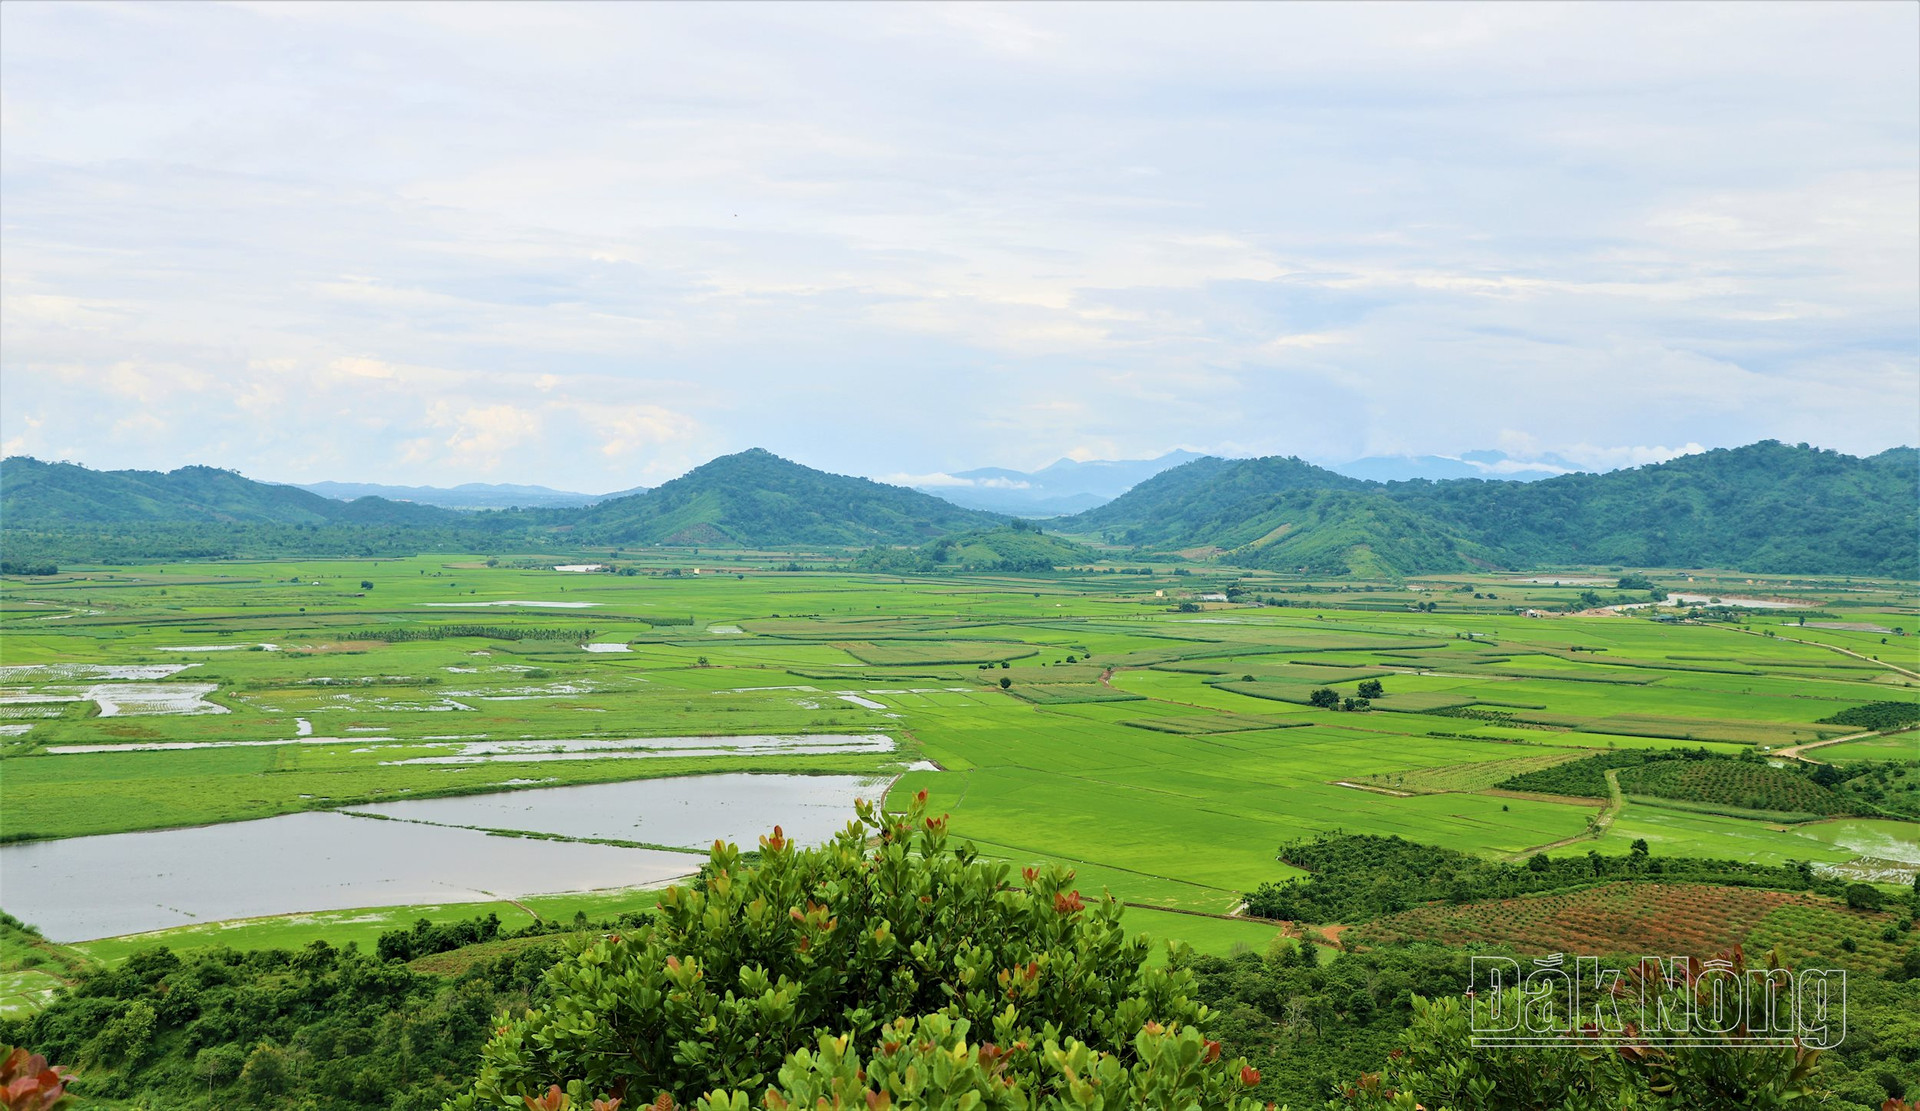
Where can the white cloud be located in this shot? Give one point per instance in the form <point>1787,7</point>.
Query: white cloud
<point>583,244</point>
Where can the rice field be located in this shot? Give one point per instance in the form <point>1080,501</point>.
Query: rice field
<point>1074,717</point>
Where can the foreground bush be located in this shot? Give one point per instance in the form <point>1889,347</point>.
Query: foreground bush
<point>903,973</point>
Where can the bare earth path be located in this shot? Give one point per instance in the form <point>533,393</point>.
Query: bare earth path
<point>1793,752</point>
<point>1601,822</point>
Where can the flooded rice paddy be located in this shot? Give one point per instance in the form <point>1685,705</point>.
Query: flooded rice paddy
<point>528,605</point>
<point>643,748</point>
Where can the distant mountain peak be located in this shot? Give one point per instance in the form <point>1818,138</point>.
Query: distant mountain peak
<point>1062,487</point>
<point>754,498</point>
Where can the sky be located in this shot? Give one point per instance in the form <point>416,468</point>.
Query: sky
<point>592,246</point>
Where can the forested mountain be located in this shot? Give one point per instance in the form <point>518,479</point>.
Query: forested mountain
<point>1766,507</point>
<point>57,511</point>
<point>1206,503</point>
<point>34,494</point>
<point>757,499</point>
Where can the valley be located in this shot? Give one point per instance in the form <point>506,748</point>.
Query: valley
<point>1105,721</point>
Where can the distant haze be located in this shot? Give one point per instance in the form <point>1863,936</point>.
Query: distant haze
<point>468,495</point>
<point>589,246</point>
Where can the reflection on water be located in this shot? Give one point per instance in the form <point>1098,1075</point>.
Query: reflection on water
<point>686,811</point>
<point>92,887</point>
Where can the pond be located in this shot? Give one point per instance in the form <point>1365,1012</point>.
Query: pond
<point>84,888</point>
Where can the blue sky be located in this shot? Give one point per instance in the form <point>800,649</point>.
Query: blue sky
<point>591,246</point>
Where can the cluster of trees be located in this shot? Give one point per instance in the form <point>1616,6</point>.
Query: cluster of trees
<point>426,937</point>
<point>1359,877</point>
<point>319,1029</point>
<point>27,567</point>
<point>1326,698</point>
<point>1747,781</point>
<point>1750,783</point>
<point>1878,715</point>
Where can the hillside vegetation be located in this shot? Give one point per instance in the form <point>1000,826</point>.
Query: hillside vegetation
<point>1766,507</point>
<point>37,494</point>
<point>1018,546</point>
<point>757,499</point>
<point>1746,782</point>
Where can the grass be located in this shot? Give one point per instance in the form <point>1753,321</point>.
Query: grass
<point>1151,763</point>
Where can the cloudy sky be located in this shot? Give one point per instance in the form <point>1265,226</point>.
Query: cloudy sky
<point>591,246</point>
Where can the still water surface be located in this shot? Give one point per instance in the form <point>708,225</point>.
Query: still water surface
<point>83,888</point>
<point>686,812</point>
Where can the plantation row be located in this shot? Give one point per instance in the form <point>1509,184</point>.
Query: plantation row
<point>1748,782</point>
<point>1357,877</point>
<point>1669,919</point>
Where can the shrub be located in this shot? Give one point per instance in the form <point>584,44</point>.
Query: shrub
<point>1439,1065</point>
<point>1864,896</point>
<point>825,973</point>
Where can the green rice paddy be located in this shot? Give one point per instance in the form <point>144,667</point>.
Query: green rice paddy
<point>1164,755</point>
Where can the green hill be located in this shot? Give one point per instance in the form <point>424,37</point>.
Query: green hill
<point>1018,546</point>
<point>1766,507</point>
<point>1206,502</point>
<point>34,494</point>
<point>757,499</point>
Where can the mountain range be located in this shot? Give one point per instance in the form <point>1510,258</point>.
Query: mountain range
<point>467,495</point>
<point>1766,507</point>
<point>1069,487</point>
<point>1059,489</point>
<point>1469,464</point>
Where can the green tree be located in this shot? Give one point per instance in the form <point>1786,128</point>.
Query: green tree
<point>267,1073</point>
<point>218,1065</point>
<point>1371,688</point>
<point>1005,683</point>
<point>126,1038</point>
<point>1864,896</point>
<point>905,972</point>
<point>1325,698</point>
